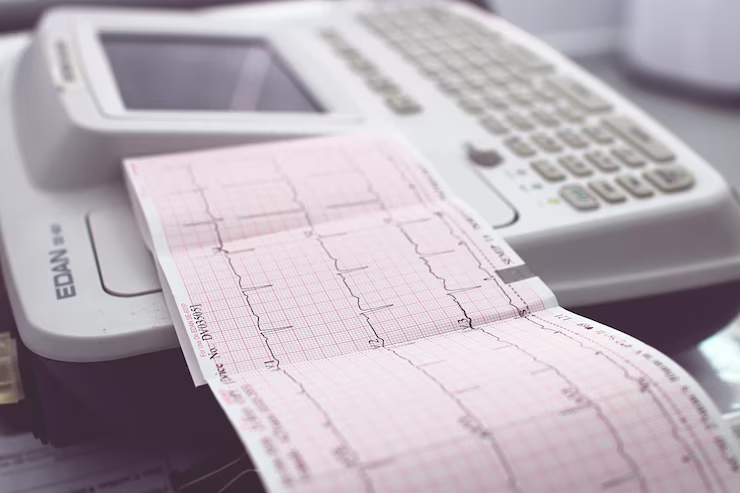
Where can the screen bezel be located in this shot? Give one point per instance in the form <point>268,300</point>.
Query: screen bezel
<point>102,83</point>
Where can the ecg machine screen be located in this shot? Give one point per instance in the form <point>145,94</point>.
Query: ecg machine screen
<point>177,73</point>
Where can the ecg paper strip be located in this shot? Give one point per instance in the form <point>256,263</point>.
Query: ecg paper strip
<point>317,248</point>
<point>352,323</point>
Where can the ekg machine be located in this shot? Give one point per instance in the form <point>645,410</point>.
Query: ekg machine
<point>622,220</point>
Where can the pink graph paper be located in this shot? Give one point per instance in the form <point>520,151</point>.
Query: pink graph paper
<point>364,333</point>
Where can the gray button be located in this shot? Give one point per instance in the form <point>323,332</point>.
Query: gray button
<point>637,136</point>
<point>602,161</point>
<point>329,34</point>
<point>431,66</point>
<point>347,52</point>
<point>527,58</point>
<point>470,105</point>
<point>598,134</point>
<point>635,186</point>
<point>363,66</point>
<point>495,101</point>
<point>382,85</point>
<point>451,85</point>
<point>629,157</point>
<point>580,94</point>
<point>607,191</point>
<point>670,178</point>
<point>494,125</point>
<point>457,44</point>
<point>579,197</point>
<point>548,171</point>
<point>519,147</point>
<point>573,138</point>
<point>403,104</point>
<point>483,154</point>
<point>576,166</point>
<point>545,94</point>
<point>414,50</point>
<point>475,58</point>
<point>498,77</point>
<point>521,99</point>
<point>475,80</point>
<point>546,143</point>
<point>519,122</point>
<point>545,118</point>
<point>569,114</point>
<point>454,61</point>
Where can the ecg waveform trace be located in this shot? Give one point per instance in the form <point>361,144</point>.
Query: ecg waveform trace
<point>351,322</point>
<point>332,251</point>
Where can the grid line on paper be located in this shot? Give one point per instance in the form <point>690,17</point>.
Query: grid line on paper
<point>416,414</point>
<point>396,296</point>
<point>646,384</point>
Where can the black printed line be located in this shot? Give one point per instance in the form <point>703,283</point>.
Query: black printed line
<point>646,384</point>
<point>471,422</point>
<point>219,249</point>
<point>353,204</point>
<point>270,214</point>
<point>345,454</point>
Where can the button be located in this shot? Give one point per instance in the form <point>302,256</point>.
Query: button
<point>572,138</point>
<point>527,58</point>
<point>576,166</point>
<point>548,171</point>
<point>402,104</point>
<point>475,80</point>
<point>495,101</point>
<point>329,34</point>
<point>670,178</point>
<point>382,85</point>
<point>580,94</point>
<point>475,58</point>
<point>546,143</point>
<point>545,118</point>
<point>629,157</point>
<point>494,125</point>
<point>451,86</point>
<point>635,186</point>
<point>414,50</point>
<point>607,191</point>
<point>363,66</point>
<point>455,62</point>
<point>602,161</point>
<point>520,97</point>
<point>519,122</point>
<point>545,94</point>
<point>598,134</point>
<point>431,66</point>
<point>569,114</point>
<point>579,197</point>
<point>483,154</point>
<point>498,77</point>
<point>637,136</point>
<point>519,147</point>
<point>469,105</point>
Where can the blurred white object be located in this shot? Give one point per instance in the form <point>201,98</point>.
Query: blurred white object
<point>692,42</point>
<point>574,27</point>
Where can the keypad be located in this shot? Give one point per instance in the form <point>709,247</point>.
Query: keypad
<point>565,131</point>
